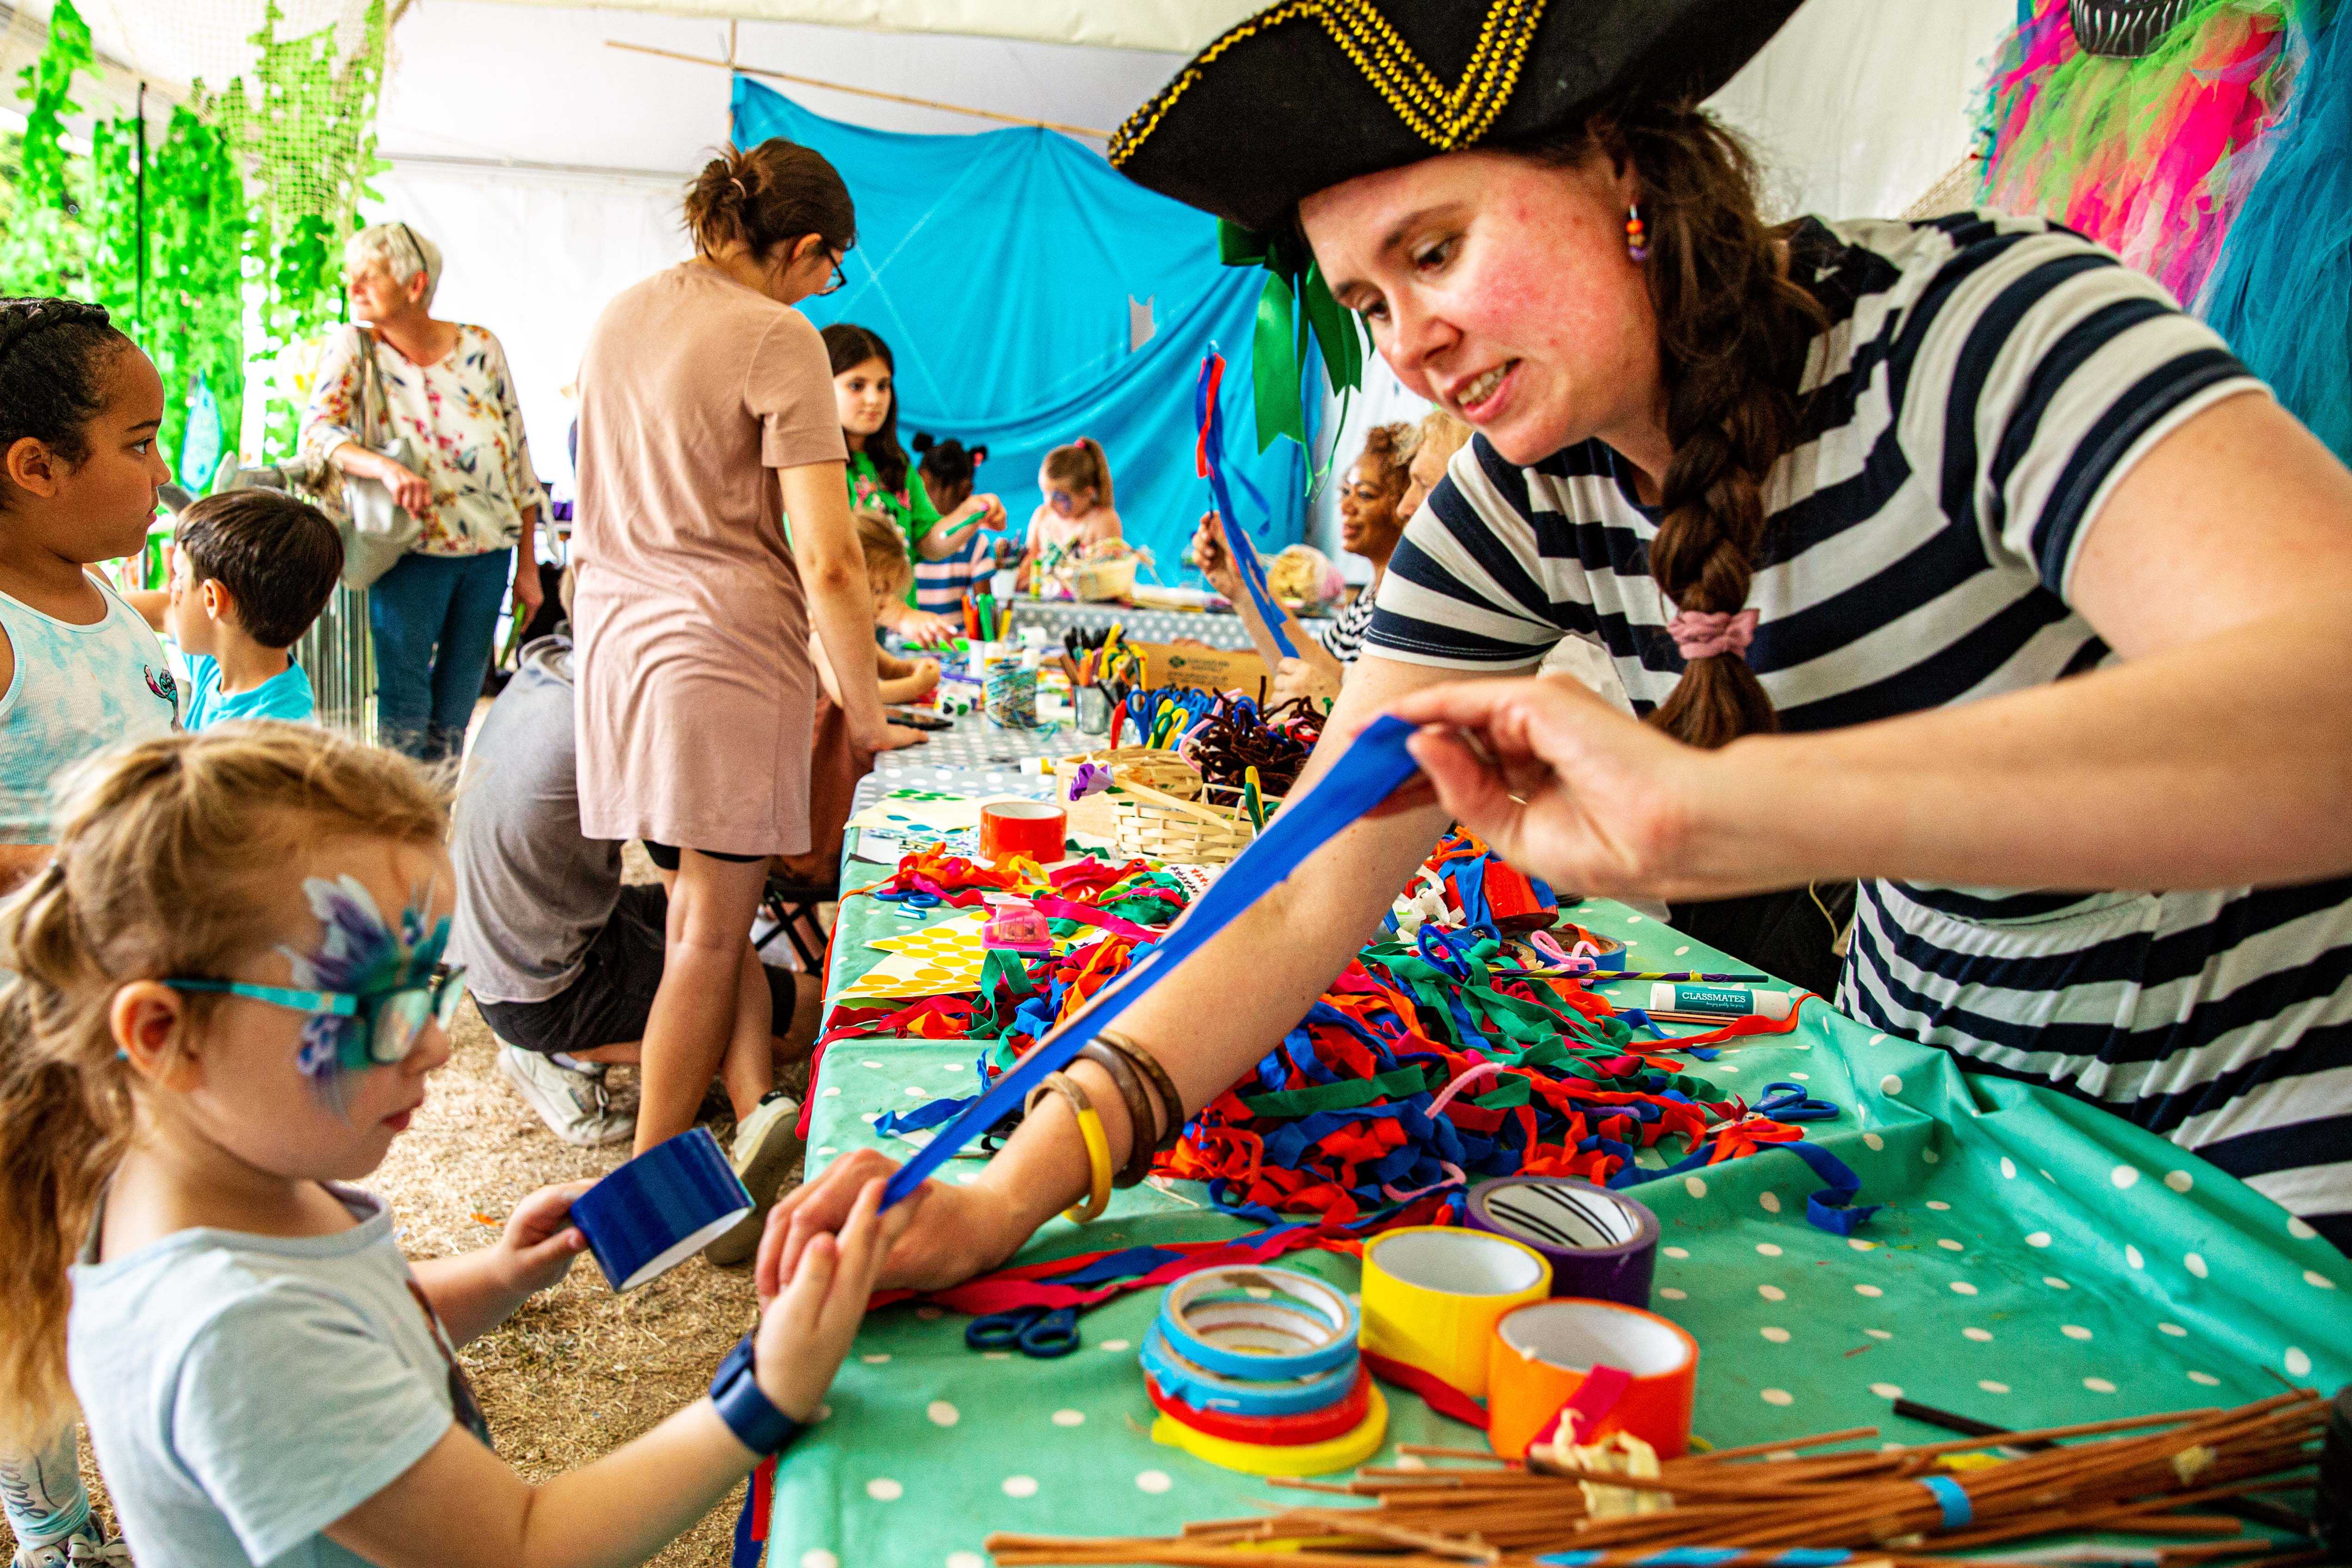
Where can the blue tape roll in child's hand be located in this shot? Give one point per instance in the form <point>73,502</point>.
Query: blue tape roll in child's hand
<point>1365,774</point>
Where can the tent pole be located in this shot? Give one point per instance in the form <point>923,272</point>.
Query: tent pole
<point>860,91</point>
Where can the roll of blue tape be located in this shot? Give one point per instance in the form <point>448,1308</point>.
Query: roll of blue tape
<point>1205,1390</point>
<point>1260,1324</point>
<point>1603,1246</point>
<point>660,1208</point>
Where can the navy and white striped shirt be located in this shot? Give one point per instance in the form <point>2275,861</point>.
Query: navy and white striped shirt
<point>1344,638</point>
<point>1983,384</point>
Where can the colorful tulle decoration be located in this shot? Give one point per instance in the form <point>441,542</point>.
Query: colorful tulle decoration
<point>2282,295</point>
<point>2152,157</point>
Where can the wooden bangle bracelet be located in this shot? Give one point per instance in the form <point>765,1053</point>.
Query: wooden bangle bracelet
<point>1171,1103</point>
<point>1140,1125</point>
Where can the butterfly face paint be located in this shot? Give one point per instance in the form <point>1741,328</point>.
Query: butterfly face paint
<point>383,981</point>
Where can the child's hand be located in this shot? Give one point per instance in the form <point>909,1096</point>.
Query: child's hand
<point>926,630</point>
<point>993,510</point>
<point>925,676</point>
<point>541,1241</point>
<point>1216,563</point>
<point>806,1329</point>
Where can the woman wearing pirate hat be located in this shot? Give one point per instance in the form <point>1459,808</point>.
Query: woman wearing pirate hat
<point>1951,557</point>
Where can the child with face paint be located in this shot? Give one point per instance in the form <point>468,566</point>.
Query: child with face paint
<point>1075,481</point>
<point>229,996</point>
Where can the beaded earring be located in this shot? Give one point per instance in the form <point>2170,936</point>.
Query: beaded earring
<point>1637,239</point>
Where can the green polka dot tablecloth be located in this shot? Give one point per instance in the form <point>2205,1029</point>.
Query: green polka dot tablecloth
<point>2038,1261</point>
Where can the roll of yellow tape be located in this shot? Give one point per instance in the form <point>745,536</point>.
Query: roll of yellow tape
<point>1341,1453</point>
<point>1433,1294</point>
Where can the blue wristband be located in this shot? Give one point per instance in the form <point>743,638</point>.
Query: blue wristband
<point>757,1424</point>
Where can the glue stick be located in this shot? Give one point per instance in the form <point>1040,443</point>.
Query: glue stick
<point>1724,1001</point>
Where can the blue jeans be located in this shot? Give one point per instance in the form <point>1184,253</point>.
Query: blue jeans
<point>433,617</point>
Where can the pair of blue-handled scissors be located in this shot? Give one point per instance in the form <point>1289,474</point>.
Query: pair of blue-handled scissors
<point>1790,1102</point>
<point>913,902</point>
<point>1041,1333</point>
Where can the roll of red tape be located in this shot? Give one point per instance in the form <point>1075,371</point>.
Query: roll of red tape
<point>1030,828</point>
<point>1306,1427</point>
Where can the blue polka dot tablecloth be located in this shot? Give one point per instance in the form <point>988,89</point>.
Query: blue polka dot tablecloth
<point>2038,1262</point>
<point>1217,628</point>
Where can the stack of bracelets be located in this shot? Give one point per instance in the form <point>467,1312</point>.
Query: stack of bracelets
<point>1154,1112</point>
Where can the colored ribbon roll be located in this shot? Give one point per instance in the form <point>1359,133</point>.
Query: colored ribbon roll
<point>1601,1245</point>
<point>1541,1356</point>
<point>1205,1390</point>
<point>1433,1294</point>
<point>660,1208</point>
<point>1282,1459</point>
<point>1258,1335</point>
<point>1028,828</point>
<point>1308,1427</point>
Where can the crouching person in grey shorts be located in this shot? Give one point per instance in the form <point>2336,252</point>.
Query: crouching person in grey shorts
<point>564,960</point>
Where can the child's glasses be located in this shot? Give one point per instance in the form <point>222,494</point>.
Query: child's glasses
<point>384,1024</point>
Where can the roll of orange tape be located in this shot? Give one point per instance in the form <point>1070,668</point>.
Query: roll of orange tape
<point>1030,828</point>
<point>1433,1294</point>
<point>1541,1354</point>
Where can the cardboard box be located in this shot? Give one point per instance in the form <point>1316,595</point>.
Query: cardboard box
<point>1210,669</point>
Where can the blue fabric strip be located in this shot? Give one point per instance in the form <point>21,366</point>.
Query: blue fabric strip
<point>1237,536</point>
<point>1366,773</point>
<point>1952,1498</point>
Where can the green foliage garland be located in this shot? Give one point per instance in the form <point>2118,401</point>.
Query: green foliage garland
<point>43,251</point>
<point>247,197</point>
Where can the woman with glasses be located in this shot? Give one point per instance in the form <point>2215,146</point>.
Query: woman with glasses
<point>426,408</point>
<point>706,415</point>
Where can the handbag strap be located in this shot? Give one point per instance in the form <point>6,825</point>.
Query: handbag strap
<point>372,408</point>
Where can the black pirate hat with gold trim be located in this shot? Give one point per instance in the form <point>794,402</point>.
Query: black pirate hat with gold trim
<point>1308,93</point>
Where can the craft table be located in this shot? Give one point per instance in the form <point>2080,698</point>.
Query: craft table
<point>1217,628</point>
<point>2038,1261</point>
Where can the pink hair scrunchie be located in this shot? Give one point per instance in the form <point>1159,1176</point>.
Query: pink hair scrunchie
<point>1711,633</point>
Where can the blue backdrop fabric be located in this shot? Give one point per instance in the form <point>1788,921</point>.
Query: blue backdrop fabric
<point>1000,268</point>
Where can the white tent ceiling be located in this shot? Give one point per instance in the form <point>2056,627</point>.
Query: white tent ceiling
<point>547,163</point>
<point>1181,26</point>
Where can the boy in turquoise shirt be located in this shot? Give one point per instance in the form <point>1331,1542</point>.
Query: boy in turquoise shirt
<point>251,570</point>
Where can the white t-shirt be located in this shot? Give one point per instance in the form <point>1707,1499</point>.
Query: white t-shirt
<point>245,1392</point>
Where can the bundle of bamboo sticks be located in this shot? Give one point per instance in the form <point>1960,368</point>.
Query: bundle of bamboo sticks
<point>2142,1476</point>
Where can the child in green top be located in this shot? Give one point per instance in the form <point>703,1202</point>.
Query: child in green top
<point>880,476</point>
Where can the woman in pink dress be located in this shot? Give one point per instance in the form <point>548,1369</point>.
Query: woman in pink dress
<point>707,415</point>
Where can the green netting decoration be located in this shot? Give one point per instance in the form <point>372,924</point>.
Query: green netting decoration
<point>218,244</point>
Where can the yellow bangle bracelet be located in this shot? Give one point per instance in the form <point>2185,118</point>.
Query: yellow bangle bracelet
<point>1098,1141</point>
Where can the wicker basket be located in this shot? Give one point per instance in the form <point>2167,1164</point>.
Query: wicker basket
<point>1160,826</point>
<point>1163,770</point>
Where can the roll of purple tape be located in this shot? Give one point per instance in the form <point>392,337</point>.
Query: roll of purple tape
<point>1603,1246</point>
<point>660,1208</point>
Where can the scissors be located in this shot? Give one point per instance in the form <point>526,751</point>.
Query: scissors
<point>1788,1102</point>
<point>1039,1332</point>
<point>913,902</point>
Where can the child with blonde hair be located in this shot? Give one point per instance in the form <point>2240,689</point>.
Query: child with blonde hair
<point>1076,512</point>
<point>229,998</point>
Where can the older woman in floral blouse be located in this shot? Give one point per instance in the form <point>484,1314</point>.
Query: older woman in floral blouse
<point>447,390</point>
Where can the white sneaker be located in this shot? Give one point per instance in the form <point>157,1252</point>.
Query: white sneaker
<point>766,1143</point>
<point>573,1104</point>
<point>84,1546</point>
